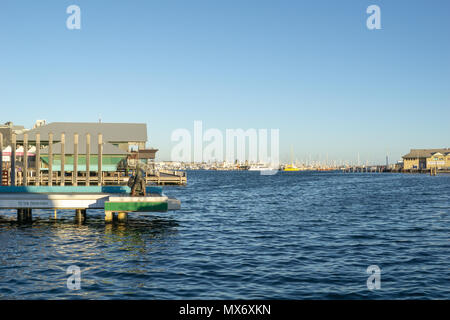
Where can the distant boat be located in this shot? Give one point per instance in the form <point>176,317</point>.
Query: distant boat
<point>291,167</point>
<point>259,167</point>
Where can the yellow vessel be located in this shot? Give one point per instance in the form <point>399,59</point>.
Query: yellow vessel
<point>290,167</point>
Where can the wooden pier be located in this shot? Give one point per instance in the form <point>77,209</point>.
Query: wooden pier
<point>27,187</point>
<point>80,199</point>
<point>433,171</point>
<point>365,169</point>
<point>110,179</point>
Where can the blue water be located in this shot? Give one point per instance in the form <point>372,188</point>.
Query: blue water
<point>241,235</point>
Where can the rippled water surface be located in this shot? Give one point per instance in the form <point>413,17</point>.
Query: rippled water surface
<point>241,235</point>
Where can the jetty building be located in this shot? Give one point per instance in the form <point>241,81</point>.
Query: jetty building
<point>74,153</point>
<point>423,159</point>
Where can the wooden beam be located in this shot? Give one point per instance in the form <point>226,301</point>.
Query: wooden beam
<point>88,158</point>
<point>13,159</point>
<point>38,159</point>
<point>100,158</point>
<point>75,159</point>
<point>25,159</point>
<point>63,158</point>
<point>50,159</point>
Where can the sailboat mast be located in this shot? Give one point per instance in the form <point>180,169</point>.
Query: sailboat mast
<point>292,155</point>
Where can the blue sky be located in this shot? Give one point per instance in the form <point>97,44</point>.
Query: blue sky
<point>309,68</point>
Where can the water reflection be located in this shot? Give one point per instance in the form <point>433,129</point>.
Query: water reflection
<point>234,240</point>
<point>138,236</point>
<point>35,256</point>
<point>68,236</point>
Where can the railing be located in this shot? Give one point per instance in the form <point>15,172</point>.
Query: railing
<point>30,173</point>
<point>5,178</point>
<point>25,176</point>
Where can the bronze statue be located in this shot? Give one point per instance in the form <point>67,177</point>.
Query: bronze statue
<point>137,182</point>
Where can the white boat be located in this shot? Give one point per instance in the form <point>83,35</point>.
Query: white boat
<point>260,167</point>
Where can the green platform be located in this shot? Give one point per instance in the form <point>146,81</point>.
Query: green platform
<point>136,206</point>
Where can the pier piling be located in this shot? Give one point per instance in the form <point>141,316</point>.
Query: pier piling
<point>24,215</point>
<point>20,215</point>
<point>29,215</point>
<point>122,216</point>
<point>80,215</point>
<point>109,216</point>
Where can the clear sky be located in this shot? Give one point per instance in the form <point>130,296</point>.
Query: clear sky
<point>309,68</point>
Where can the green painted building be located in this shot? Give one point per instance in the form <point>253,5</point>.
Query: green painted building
<point>118,140</point>
<point>112,156</point>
